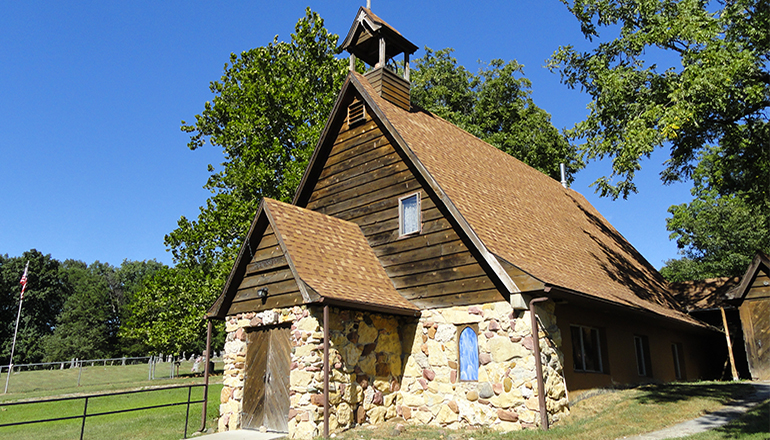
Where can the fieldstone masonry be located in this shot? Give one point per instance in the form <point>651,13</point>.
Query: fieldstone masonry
<point>383,366</point>
<point>505,396</point>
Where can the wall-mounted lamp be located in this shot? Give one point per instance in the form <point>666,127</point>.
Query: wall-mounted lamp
<point>262,293</point>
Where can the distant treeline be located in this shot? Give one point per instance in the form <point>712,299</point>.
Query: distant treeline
<point>71,309</point>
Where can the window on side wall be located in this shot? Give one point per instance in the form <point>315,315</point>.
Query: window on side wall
<point>469,354</point>
<point>643,361</point>
<point>586,349</point>
<point>409,215</point>
<point>677,351</point>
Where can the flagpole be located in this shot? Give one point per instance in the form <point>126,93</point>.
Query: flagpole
<point>16,331</point>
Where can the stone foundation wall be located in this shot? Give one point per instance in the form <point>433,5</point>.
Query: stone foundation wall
<point>505,395</point>
<point>365,358</point>
<point>384,366</point>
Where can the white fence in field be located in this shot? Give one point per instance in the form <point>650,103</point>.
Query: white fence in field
<point>158,367</point>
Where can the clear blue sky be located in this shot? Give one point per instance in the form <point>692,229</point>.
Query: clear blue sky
<point>92,161</point>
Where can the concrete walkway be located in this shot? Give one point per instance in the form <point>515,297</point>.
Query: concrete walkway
<point>712,420</point>
<point>241,434</point>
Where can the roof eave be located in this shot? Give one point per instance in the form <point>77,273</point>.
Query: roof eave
<point>686,319</point>
<point>739,291</point>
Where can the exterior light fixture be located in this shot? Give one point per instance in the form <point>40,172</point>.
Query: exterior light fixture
<point>262,293</point>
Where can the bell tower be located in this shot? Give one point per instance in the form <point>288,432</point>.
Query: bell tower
<point>375,42</point>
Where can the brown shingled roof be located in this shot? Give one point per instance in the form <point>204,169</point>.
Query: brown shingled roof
<point>703,294</point>
<point>524,216</point>
<point>332,257</point>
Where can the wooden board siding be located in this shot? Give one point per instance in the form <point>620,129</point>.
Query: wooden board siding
<point>269,269</point>
<point>760,288</point>
<point>361,182</point>
<point>390,86</point>
<point>755,318</point>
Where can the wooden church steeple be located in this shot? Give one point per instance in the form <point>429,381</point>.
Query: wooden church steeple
<point>374,41</point>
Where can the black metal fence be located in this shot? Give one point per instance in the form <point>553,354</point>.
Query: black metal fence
<point>86,398</point>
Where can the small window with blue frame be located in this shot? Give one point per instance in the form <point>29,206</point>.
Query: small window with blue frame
<point>469,354</point>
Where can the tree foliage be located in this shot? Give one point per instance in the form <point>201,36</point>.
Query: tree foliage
<point>716,94</point>
<point>496,106</point>
<point>70,310</point>
<point>267,113</point>
<point>268,110</point>
<point>45,295</point>
<point>168,313</point>
<point>83,328</point>
<point>717,232</point>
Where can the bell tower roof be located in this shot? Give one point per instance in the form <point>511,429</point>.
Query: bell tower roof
<point>365,36</point>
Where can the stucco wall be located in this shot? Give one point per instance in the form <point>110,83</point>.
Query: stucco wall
<point>618,344</point>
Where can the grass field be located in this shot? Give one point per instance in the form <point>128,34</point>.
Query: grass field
<point>613,415</point>
<point>160,423</point>
<point>97,378</point>
<point>607,415</point>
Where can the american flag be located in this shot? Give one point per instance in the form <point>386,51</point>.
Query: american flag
<point>23,281</point>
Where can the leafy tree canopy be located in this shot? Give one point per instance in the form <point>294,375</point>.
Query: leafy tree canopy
<point>168,313</point>
<point>70,309</point>
<point>83,325</point>
<point>45,295</point>
<point>718,234</point>
<point>717,95</point>
<point>496,106</point>
<point>266,115</point>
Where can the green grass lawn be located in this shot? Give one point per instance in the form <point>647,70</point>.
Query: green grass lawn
<point>160,423</point>
<point>97,378</point>
<point>608,416</point>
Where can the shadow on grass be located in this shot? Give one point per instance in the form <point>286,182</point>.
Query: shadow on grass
<point>756,421</point>
<point>672,393</point>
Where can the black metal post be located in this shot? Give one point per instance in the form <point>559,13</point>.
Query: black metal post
<point>85,412</point>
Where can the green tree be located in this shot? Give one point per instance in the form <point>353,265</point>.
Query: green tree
<point>43,300</point>
<point>716,94</point>
<point>267,113</point>
<point>168,311</point>
<point>126,283</point>
<point>496,106</point>
<point>718,233</point>
<point>84,327</point>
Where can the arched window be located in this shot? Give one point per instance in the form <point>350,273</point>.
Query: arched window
<point>469,354</point>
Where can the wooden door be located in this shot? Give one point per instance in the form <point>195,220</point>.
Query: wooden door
<point>755,317</point>
<point>266,387</point>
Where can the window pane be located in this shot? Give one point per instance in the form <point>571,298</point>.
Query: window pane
<point>640,360</point>
<point>677,351</point>
<point>410,215</point>
<point>590,347</point>
<point>469,355</point>
<point>577,349</point>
